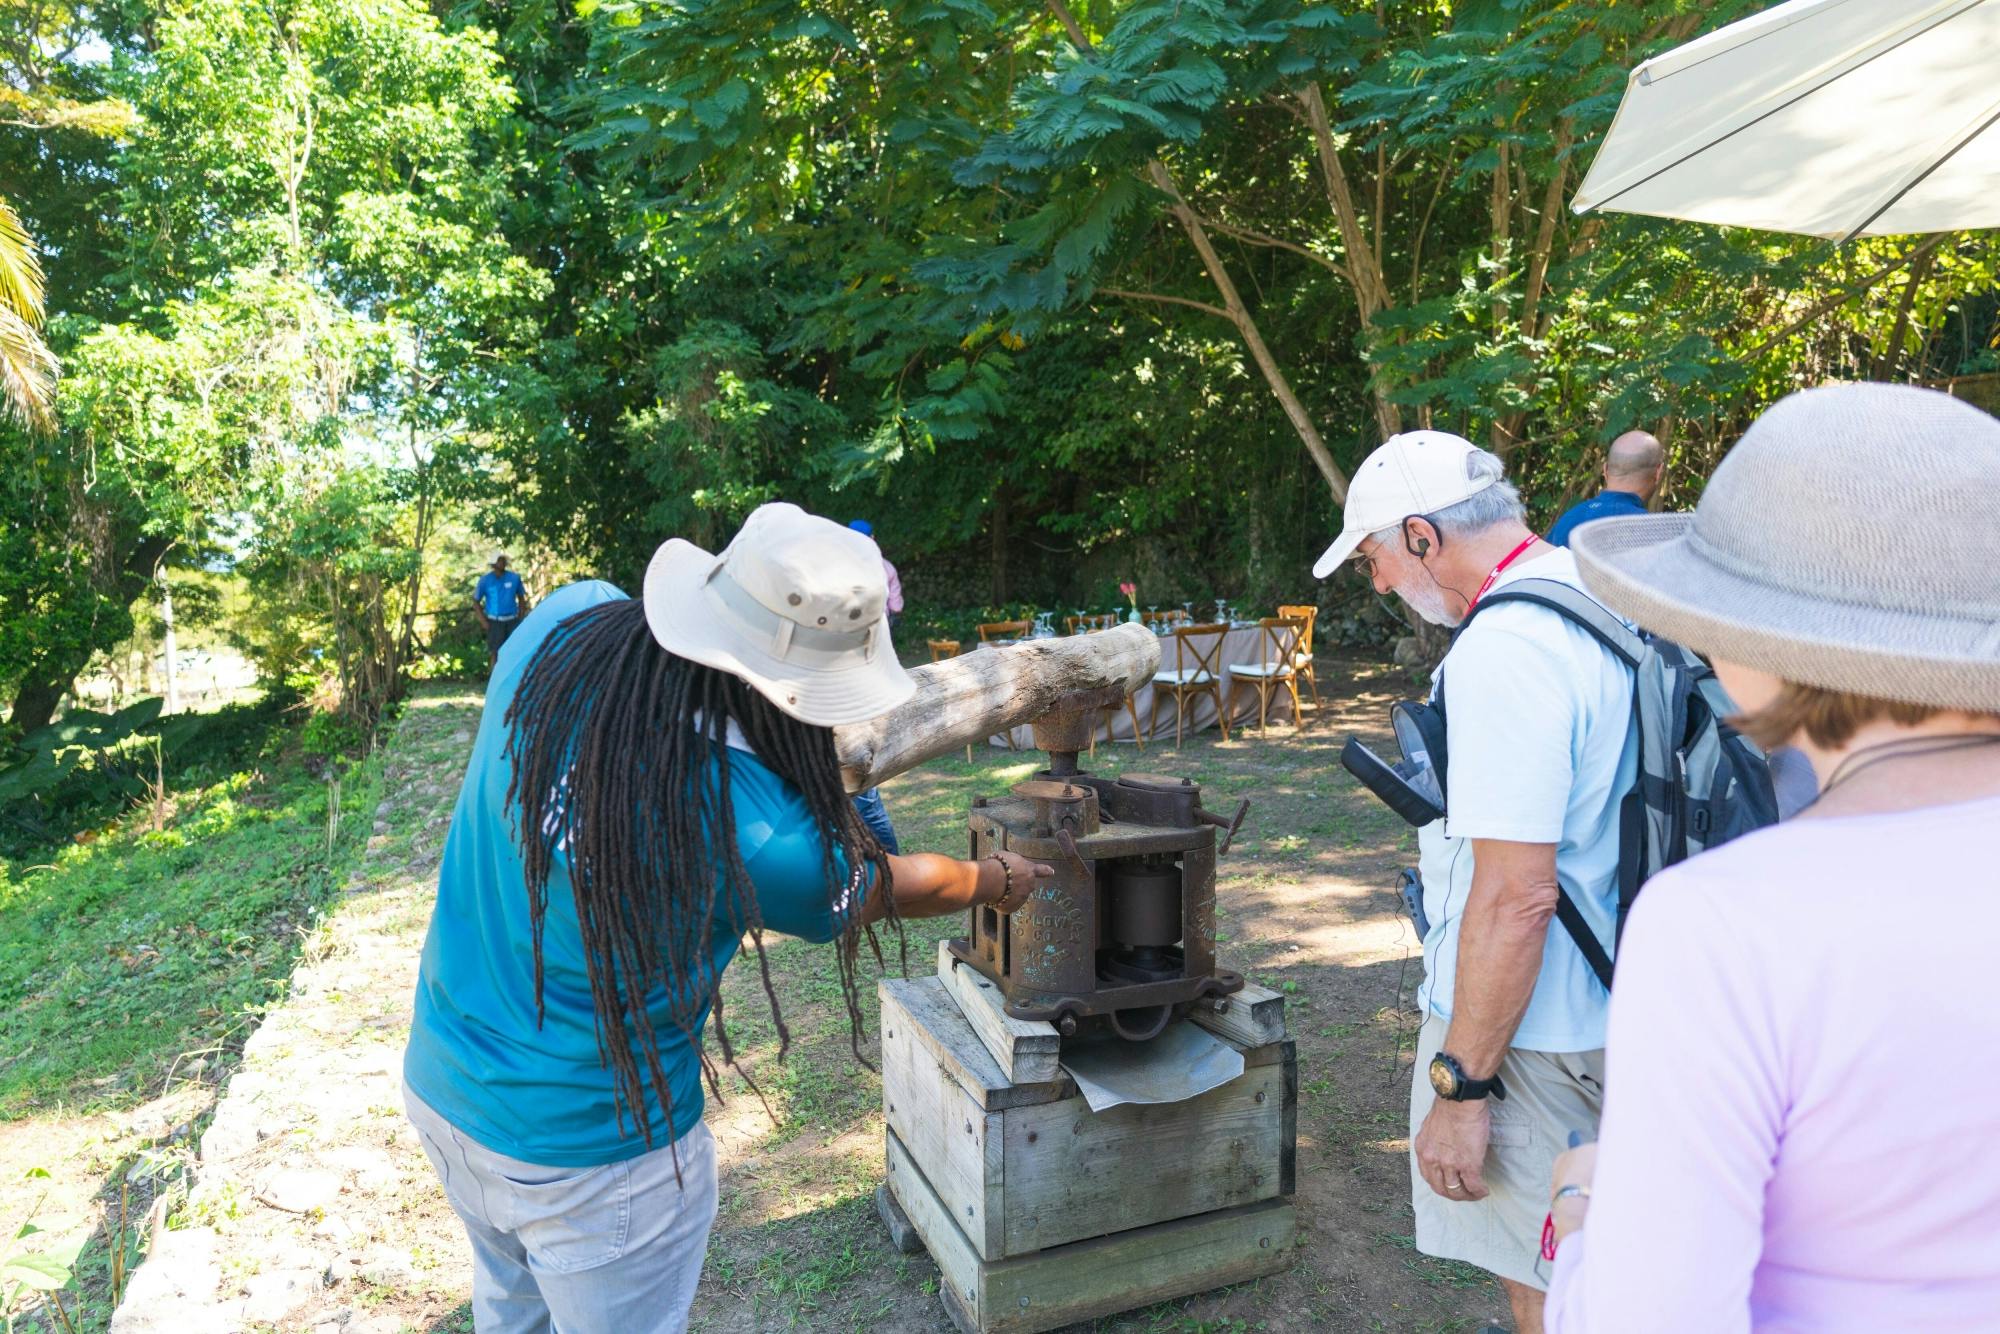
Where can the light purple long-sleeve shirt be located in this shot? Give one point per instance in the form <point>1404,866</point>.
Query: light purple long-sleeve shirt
<point>1802,1095</point>
<point>895,601</point>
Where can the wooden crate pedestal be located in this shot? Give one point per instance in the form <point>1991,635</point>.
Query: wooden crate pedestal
<point>1040,1212</point>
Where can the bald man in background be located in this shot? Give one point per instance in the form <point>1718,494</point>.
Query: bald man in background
<point>1632,473</point>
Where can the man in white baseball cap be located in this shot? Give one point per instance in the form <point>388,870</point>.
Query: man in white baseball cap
<point>654,781</point>
<point>1542,748</point>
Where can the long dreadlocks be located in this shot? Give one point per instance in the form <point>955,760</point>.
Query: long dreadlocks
<point>619,762</point>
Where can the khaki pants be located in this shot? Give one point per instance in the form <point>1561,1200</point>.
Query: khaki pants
<point>1549,1094</point>
<point>576,1250</point>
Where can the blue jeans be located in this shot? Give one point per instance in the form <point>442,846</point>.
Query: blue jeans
<point>577,1250</point>
<point>876,816</point>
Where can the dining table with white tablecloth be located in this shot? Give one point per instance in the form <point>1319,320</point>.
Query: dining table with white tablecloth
<point>1244,643</point>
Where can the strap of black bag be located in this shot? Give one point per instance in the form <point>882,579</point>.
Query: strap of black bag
<point>1574,606</point>
<point>1586,940</point>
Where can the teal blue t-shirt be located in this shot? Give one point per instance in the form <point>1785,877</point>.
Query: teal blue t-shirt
<point>540,1093</point>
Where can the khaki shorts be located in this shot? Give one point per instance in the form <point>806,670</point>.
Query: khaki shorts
<point>1549,1094</point>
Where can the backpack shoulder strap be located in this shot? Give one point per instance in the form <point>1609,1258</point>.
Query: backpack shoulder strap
<point>1591,616</point>
<point>1575,606</point>
<point>1587,943</point>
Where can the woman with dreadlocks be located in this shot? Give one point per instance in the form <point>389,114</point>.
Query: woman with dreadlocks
<point>654,780</point>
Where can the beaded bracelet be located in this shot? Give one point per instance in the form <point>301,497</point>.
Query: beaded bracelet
<point>1006,876</point>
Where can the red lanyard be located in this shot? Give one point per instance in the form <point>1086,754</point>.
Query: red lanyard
<point>1504,563</point>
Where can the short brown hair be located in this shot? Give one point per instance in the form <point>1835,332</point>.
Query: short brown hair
<point>1829,718</point>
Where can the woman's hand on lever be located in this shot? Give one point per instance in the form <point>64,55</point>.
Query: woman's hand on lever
<point>925,884</point>
<point>1012,879</point>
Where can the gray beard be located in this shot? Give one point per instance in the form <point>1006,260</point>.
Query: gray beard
<point>1427,601</point>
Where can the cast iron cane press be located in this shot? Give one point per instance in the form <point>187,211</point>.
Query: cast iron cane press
<point>1126,929</point>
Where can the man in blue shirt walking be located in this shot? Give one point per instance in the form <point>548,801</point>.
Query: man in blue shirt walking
<point>1632,473</point>
<point>500,599</point>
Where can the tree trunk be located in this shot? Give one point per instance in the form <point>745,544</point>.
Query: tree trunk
<point>969,698</point>
<point>998,562</point>
<point>167,647</point>
<point>1246,328</point>
<point>1362,260</point>
<point>42,688</point>
<point>1232,302</point>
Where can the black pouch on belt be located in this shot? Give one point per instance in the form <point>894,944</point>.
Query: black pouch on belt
<point>1411,886</point>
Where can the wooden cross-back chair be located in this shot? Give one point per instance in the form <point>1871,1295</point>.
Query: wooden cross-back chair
<point>1303,660</point>
<point>1171,616</point>
<point>948,648</point>
<point>1197,670</point>
<point>1131,707</point>
<point>1277,665</point>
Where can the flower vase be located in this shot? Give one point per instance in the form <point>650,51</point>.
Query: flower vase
<point>1134,618</point>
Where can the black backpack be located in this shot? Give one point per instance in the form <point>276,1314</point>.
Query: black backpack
<point>1700,784</point>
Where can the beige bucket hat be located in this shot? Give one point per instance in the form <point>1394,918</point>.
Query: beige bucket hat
<point>795,605</point>
<point>1850,541</point>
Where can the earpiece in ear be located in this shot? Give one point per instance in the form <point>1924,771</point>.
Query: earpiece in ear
<point>1423,547</point>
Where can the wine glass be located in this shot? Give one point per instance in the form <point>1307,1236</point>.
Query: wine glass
<point>1187,610</point>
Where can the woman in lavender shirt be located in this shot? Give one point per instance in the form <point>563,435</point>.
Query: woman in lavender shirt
<point>1802,1110</point>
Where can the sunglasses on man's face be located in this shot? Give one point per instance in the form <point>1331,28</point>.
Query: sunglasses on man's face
<point>1365,564</point>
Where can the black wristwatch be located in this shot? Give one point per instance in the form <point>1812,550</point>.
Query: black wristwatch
<point>1449,1080</point>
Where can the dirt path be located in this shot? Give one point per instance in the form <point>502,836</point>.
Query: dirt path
<point>313,1207</point>
<point>316,1210</point>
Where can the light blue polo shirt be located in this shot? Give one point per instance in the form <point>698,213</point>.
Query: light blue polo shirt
<point>499,594</point>
<point>1543,747</point>
<point>539,1092</point>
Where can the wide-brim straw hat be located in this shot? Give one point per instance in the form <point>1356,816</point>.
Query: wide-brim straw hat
<point>795,605</point>
<point>1850,541</point>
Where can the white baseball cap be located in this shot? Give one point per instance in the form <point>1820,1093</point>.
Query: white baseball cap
<point>1417,472</point>
<point>796,605</point>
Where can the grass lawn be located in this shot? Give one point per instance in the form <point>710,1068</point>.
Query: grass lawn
<point>133,963</point>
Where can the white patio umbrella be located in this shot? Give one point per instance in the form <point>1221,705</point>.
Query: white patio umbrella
<point>1835,118</point>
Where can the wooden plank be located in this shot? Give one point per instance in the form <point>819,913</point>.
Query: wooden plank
<point>930,1017</point>
<point>901,1235</point>
<point>1137,1268</point>
<point>958,1266</point>
<point>1071,1173</point>
<point>976,695</point>
<point>1254,1017</point>
<point>1288,1132</point>
<point>1099,1277</point>
<point>1028,1051</point>
<point>956,1141</point>
<point>1276,1053</point>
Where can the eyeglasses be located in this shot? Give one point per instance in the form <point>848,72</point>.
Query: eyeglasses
<point>1366,564</point>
